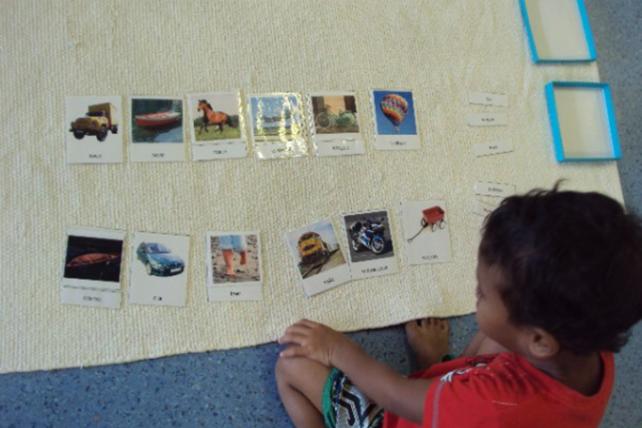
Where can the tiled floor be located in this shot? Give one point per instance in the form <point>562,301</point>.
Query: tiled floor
<point>236,388</point>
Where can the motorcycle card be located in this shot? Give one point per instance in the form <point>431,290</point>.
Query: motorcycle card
<point>277,126</point>
<point>158,269</point>
<point>318,257</point>
<point>370,241</point>
<point>425,231</point>
<point>92,267</point>
<point>395,120</point>
<point>93,130</point>
<point>334,124</point>
<point>217,126</point>
<point>233,266</point>
<point>156,129</point>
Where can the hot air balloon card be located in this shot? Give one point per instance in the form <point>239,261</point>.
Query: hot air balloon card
<point>319,260</point>
<point>277,125</point>
<point>92,268</point>
<point>425,231</point>
<point>233,266</point>
<point>395,120</point>
<point>158,269</point>
<point>156,129</point>
<point>370,242</point>
<point>216,126</point>
<point>334,124</point>
<point>93,129</point>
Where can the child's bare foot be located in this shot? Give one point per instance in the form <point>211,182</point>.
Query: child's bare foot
<point>428,338</point>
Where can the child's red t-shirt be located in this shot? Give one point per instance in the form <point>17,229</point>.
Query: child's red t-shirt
<point>505,390</point>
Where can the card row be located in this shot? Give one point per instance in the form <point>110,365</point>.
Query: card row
<point>159,263</point>
<point>279,124</point>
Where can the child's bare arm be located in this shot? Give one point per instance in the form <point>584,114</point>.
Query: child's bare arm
<point>395,393</point>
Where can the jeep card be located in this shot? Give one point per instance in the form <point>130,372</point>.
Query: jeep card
<point>92,268</point>
<point>158,269</point>
<point>319,261</point>
<point>93,129</point>
<point>370,242</point>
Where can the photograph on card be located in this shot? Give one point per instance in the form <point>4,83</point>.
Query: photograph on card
<point>93,132</point>
<point>156,120</point>
<point>335,114</point>
<point>370,242</point>
<point>425,229</point>
<point>92,267</point>
<point>394,112</point>
<point>158,269</point>
<point>319,260</point>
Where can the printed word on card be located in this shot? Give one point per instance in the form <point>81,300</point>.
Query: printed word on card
<point>489,149</point>
<point>499,190</point>
<point>488,99</point>
<point>487,119</point>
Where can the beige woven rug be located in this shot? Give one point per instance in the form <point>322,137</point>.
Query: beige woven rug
<point>441,49</point>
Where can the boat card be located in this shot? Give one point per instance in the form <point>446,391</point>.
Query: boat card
<point>487,119</point>
<point>217,126</point>
<point>395,120</point>
<point>277,125</point>
<point>92,267</point>
<point>488,99</point>
<point>334,124</point>
<point>319,260</point>
<point>425,230</point>
<point>93,129</point>
<point>233,266</point>
<point>370,242</point>
<point>158,269</point>
<point>499,190</point>
<point>489,149</point>
<point>156,129</point>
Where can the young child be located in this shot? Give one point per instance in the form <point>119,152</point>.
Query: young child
<point>559,284</point>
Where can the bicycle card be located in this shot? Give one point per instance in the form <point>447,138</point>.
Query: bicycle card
<point>395,120</point>
<point>277,125</point>
<point>158,269</point>
<point>217,126</point>
<point>334,124</point>
<point>425,230</point>
<point>156,129</point>
<point>370,241</point>
<point>233,266</point>
<point>318,257</point>
<point>93,129</point>
<point>91,273</point>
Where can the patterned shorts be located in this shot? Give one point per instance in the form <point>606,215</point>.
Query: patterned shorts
<point>345,406</point>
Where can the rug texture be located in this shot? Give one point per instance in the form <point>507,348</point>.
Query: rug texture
<point>440,49</point>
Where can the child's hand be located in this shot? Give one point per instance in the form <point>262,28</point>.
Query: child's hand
<point>312,340</point>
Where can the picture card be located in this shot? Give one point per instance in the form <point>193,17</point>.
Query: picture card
<point>583,121</point>
<point>489,149</point>
<point>370,241</point>
<point>487,119</point>
<point>217,126</point>
<point>425,229</point>
<point>499,190</point>
<point>334,124</point>
<point>558,30</point>
<point>92,267</point>
<point>93,129</point>
<point>488,99</point>
<point>395,120</point>
<point>156,129</point>
<point>319,260</point>
<point>158,269</point>
<point>233,266</point>
<point>277,125</point>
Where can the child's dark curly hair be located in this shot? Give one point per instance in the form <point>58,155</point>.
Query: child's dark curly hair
<point>572,265</point>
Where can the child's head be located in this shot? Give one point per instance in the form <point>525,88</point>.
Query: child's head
<point>567,264</point>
